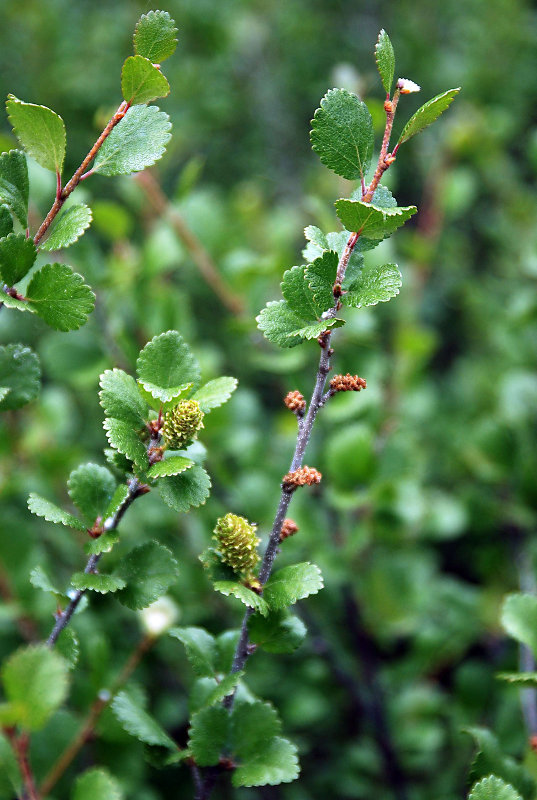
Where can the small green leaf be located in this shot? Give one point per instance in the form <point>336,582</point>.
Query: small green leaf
<point>279,632</point>
<point>40,579</point>
<point>118,498</point>
<point>223,688</point>
<point>148,571</point>
<point>124,439</point>
<point>318,242</point>
<point>200,649</point>
<point>162,399</point>
<point>69,228</point>
<point>519,618</point>
<point>491,759</point>
<point>370,221</point>
<point>292,583</point>
<point>286,329</point>
<point>91,487</point>
<point>342,134</point>
<point>141,82</point>
<point>20,374</point>
<point>6,221</point>
<point>120,398</point>
<point>226,644</point>
<point>242,593</point>
<point>12,302</point>
<point>276,762</point>
<point>519,678</point>
<point>170,466</point>
<point>252,726</point>
<point>298,295</point>
<point>427,114</point>
<point>189,489</point>
<point>14,185</point>
<point>215,393</point>
<point>208,735</point>
<point>101,544</point>
<point>136,721</point>
<point>167,362</point>
<point>155,36</point>
<point>44,508</point>
<point>35,683</point>
<point>385,58</point>
<point>374,285</point>
<point>135,143</point>
<point>97,783</point>
<point>17,256</point>
<point>40,131</point>
<point>60,297</point>
<point>321,276</point>
<point>68,647</point>
<point>493,788</point>
<point>96,582</point>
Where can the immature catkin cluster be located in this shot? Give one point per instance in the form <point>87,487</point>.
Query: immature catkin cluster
<point>305,476</point>
<point>295,402</point>
<point>237,543</point>
<point>347,383</point>
<point>182,424</point>
<point>289,528</point>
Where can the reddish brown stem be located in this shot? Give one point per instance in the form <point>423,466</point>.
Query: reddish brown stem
<point>20,746</point>
<point>63,194</point>
<point>385,158</point>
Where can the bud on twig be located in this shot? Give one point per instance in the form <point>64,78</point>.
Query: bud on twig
<point>305,476</point>
<point>289,528</point>
<point>295,402</point>
<point>347,383</point>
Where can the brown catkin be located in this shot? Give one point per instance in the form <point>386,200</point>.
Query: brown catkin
<point>347,383</point>
<point>289,528</point>
<point>295,402</point>
<point>305,476</point>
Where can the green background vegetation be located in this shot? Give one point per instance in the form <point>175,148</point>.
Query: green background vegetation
<point>427,510</point>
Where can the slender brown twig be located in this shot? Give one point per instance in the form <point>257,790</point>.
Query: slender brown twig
<point>20,745</point>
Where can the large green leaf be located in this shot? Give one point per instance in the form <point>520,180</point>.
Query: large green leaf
<point>263,757</point>
<point>35,683</point>
<point>279,632</point>
<point>376,284</point>
<point>95,582</point>
<point>298,295</point>
<point>519,618</point>
<point>286,329</point>
<point>200,649</point>
<point>189,489</point>
<point>242,593</point>
<point>91,488</point>
<point>44,508</point>
<point>148,570</point>
<point>208,735</point>
<point>17,255</point>
<point>125,440</point>
<point>342,134</point>
<point>167,362</point>
<point>215,393</point>
<point>14,185</point>
<point>385,58</point>
<point>427,114</point>
<point>68,228</point>
<point>40,131</point>
<point>60,297</point>
<point>155,36</point>
<point>96,784</point>
<point>135,720</point>
<point>321,276</point>
<point>370,221</point>
<point>120,398</point>
<point>135,143</point>
<point>493,788</point>
<point>292,583</point>
<point>20,375</point>
<point>274,763</point>
<point>142,82</point>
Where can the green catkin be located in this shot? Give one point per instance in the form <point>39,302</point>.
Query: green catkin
<point>182,423</point>
<point>237,543</point>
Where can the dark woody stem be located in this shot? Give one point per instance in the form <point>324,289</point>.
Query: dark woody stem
<point>63,194</point>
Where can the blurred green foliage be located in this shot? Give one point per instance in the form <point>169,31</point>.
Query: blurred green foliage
<point>429,498</point>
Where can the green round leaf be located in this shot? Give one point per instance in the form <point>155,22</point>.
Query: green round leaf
<point>60,297</point>
<point>141,82</point>
<point>135,143</point>
<point>17,255</point>
<point>148,571</point>
<point>68,228</point>
<point>154,37</point>
<point>20,376</point>
<point>40,131</point>
<point>14,185</point>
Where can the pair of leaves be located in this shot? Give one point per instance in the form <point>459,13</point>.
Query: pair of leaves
<point>250,733</point>
<point>20,376</point>
<point>35,681</point>
<point>308,293</point>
